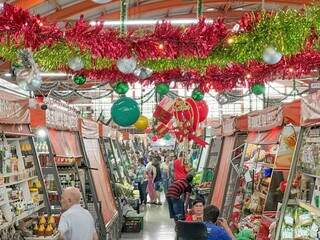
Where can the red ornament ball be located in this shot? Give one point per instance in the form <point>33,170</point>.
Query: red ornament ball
<point>154,138</point>
<point>203,110</point>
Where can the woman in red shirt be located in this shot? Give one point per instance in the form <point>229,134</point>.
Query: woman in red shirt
<point>180,168</point>
<point>196,214</point>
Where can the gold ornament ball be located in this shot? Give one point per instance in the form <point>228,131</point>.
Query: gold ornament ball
<point>142,123</point>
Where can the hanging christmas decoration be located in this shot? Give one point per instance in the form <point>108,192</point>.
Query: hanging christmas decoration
<point>271,56</point>
<point>164,110</point>
<point>197,95</point>
<point>283,186</point>
<point>127,65</point>
<point>79,79</point>
<point>75,64</point>
<point>162,88</point>
<point>258,89</point>
<point>222,98</point>
<point>203,110</point>
<point>44,106</point>
<point>154,138</point>
<point>121,87</point>
<point>142,123</point>
<point>143,72</point>
<point>125,111</point>
<point>167,137</point>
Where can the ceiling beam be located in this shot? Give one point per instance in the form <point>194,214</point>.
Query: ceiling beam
<point>26,4</point>
<point>158,6</point>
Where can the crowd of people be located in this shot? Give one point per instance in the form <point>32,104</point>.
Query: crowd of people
<point>164,171</point>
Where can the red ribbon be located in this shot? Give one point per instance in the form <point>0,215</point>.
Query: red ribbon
<point>181,135</point>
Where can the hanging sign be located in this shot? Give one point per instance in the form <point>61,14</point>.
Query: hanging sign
<point>310,108</point>
<point>61,116</point>
<point>266,119</point>
<point>314,86</point>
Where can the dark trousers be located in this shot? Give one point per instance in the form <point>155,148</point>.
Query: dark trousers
<point>176,208</point>
<point>142,187</point>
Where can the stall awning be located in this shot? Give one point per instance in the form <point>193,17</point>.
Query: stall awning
<point>65,143</point>
<point>89,128</point>
<point>101,179</point>
<point>275,116</point>
<point>310,109</point>
<point>234,124</point>
<point>14,114</point>
<point>266,137</point>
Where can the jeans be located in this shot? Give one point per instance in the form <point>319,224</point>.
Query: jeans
<point>142,187</point>
<point>176,208</point>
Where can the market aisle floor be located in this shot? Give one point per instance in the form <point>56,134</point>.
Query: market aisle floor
<point>157,225</point>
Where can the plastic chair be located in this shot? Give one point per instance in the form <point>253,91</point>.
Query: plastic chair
<point>191,231</point>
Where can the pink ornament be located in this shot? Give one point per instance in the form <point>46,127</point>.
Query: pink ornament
<point>154,138</point>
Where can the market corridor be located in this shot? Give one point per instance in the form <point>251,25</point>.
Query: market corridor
<point>157,225</point>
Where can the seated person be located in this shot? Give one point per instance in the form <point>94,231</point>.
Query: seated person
<point>196,214</point>
<point>218,229</point>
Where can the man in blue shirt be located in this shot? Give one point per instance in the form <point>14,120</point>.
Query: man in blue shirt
<point>218,229</point>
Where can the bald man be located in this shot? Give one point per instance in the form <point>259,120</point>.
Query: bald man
<point>76,222</point>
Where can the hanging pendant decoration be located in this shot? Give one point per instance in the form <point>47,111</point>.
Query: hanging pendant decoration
<point>125,111</point>
<point>197,95</point>
<point>258,89</point>
<point>121,87</point>
<point>162,88</point>
<point>79,79</point>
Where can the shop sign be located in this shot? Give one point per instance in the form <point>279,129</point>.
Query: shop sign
<point>266,119</point>
<point>228,127</point>
<point>310,108</point>
<point>61,116</point>
<point>14,112</point>
<point>314,86</point>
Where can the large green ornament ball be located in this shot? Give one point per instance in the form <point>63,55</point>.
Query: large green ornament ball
<point>125,111</point>
<point>79,79</point>
<point>197,95</point>
<point>258,89</point>
<point>162,88</point>
<point>121,87</point>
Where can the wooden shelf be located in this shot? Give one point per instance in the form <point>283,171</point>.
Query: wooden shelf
<point>22,216</point>
<point>309,207</point>
<point>19,182</point>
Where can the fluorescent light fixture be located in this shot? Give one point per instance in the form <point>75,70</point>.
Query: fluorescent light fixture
<point>210,9</point>
<point>46,74</point>
<point>149,22</point>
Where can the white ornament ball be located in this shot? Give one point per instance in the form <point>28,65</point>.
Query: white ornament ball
<point>143,72</point>
<point>271,56</point>
<point>127,65</point>
<point>75,64</point>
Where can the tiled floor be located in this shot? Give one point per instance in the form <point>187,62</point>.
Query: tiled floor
<point>157,225</point>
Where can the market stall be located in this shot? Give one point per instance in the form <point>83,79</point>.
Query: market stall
<point>266,164</point>
<point>211,165</point>
<point>299,216</point>
<point>58,148</point>
<point>237,127</point>
<point>102,194</point>
<point>22,188</point>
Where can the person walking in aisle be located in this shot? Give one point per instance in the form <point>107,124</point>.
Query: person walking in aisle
<point>165,174</point>
<point>178,197</point>
<point>75,222</point>
<point>157,180</point>
<point>180,168</point>
<point>142,181</point>
<point>151,174</point>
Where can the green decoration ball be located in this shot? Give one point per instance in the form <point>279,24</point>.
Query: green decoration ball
<point>258,89</point>
<point>197,95</point>
<point>125,111</point>
<point>167,137</point>
<point>79,79</point>
<point>162,88</point>
<point>121,87</point>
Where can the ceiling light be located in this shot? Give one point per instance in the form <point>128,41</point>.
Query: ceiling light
<point>211,9</point>
<point>42,133</point>
<point>151,22</point>
<point>101,1</point>
<point>45,74</point>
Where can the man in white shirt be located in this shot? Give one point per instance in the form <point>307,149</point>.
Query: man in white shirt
<point>76,222</point>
